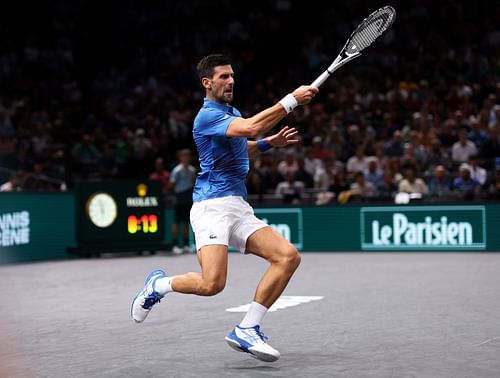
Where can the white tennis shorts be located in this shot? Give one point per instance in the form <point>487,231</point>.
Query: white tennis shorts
<point>228,221</point>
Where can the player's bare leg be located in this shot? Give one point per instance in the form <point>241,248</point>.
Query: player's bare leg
<point>210,281</point>
<point>212,278</point>
<point>283,257</point>
<point>284,260</point>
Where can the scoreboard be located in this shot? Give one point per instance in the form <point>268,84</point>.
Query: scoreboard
<point>125,215</point>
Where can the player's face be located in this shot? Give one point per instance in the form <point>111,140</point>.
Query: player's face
<point>220,86</point>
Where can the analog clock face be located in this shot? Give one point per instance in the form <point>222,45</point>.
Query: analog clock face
<point>101,209</point>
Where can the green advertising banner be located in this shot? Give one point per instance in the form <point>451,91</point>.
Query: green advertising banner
<point>287,221</point>
<point>35,226</point>
<point>42,226</point>
<point>402,228</point>
<point>423,228</point>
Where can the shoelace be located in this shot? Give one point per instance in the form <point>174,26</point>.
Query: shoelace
<point>262,336</point>
<point>258,333</point>
<point>152,299</point>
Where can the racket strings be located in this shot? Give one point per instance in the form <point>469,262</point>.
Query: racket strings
<point>372,28</point>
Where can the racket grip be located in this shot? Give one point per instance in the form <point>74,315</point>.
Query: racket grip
<point>320,79</point>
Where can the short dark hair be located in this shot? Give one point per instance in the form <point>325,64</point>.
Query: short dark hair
<point>206,65</point>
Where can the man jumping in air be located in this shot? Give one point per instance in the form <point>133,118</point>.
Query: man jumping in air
<point>221,216</point>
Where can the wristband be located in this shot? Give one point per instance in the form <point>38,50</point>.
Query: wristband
<point>289,102</point>
<point>263,146</point>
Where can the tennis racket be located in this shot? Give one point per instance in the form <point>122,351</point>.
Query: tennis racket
<point>363,36</point>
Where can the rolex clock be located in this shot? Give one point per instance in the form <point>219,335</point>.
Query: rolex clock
<point>101,209</point>
<point>119,215</point>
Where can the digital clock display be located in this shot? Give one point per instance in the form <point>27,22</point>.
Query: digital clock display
<point>120,215</point>
<point>145,223</point>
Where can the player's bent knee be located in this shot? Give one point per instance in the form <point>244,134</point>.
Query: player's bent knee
<point>210,288</point>
<point>290,258</point>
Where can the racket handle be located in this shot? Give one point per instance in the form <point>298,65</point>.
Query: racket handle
<point>320,79</point>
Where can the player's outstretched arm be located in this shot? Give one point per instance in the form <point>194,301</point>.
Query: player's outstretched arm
<point>285,137</point>
<point>268,118</point>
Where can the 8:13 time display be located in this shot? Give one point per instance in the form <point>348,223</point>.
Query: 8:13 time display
<point>145,223</point>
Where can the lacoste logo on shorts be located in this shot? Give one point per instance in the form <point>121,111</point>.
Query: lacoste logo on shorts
<point>212,236</point>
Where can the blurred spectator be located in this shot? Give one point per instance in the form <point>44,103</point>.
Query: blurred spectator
<point>387,189</point>
<point>339,182</point>
<point>494,115</point>
<point>324,175</point>
<point>143,153</point>
<point>394,148</point>
<point>268,171</point>
<point>395,169</point>
<point>373,173</point>
<point>437,156</point>
<point>124,146</point>
<point>290,190</point>
<point>383,161</point>
<point>476,135</point>
<point>476,172</point>
<point>447,134</point>
<point>288,165</point>
<point>254,182</point>
<point>439,184</point>
<point>161,174</point>
<point>464,186</point>
<point>358,162</point>
<point>41,138</point>
<point>335,141</point>
<point>303,175</point>
<point>491,147</point>
<point>311,163</point>
<point>412,184</point>
<point>85,155</point>
<point>463,149</point>
<point>409,160</point>
<point>418,149</point>
<point>182,180</point>
<point>318,151</point>
<point>362,188</point>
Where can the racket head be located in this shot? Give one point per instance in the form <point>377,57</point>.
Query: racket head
<point>369,30</point>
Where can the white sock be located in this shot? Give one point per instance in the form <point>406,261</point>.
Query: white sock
<point>164,285</point>
<point>254,315</point>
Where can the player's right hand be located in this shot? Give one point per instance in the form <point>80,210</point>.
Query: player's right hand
<point>304,94</point>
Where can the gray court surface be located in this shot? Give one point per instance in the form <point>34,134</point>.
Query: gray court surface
<point>383,315</point>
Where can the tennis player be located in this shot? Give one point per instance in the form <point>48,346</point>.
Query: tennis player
<point>221,216</point>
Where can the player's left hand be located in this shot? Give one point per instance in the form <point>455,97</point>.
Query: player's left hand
<point>285,137</point>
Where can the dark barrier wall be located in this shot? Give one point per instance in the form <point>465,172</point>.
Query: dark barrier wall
<point>42,226</point>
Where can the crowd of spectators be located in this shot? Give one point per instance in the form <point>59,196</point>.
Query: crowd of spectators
<point>92,93</point>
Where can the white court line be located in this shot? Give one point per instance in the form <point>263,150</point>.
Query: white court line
<point>487,341</point>
<point>282,302</point>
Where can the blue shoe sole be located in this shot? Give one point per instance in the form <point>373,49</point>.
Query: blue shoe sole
<point>235,345</point>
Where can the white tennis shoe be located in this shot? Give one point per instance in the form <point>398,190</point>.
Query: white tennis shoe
<point>147,297</point>
<point>251,340</point>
